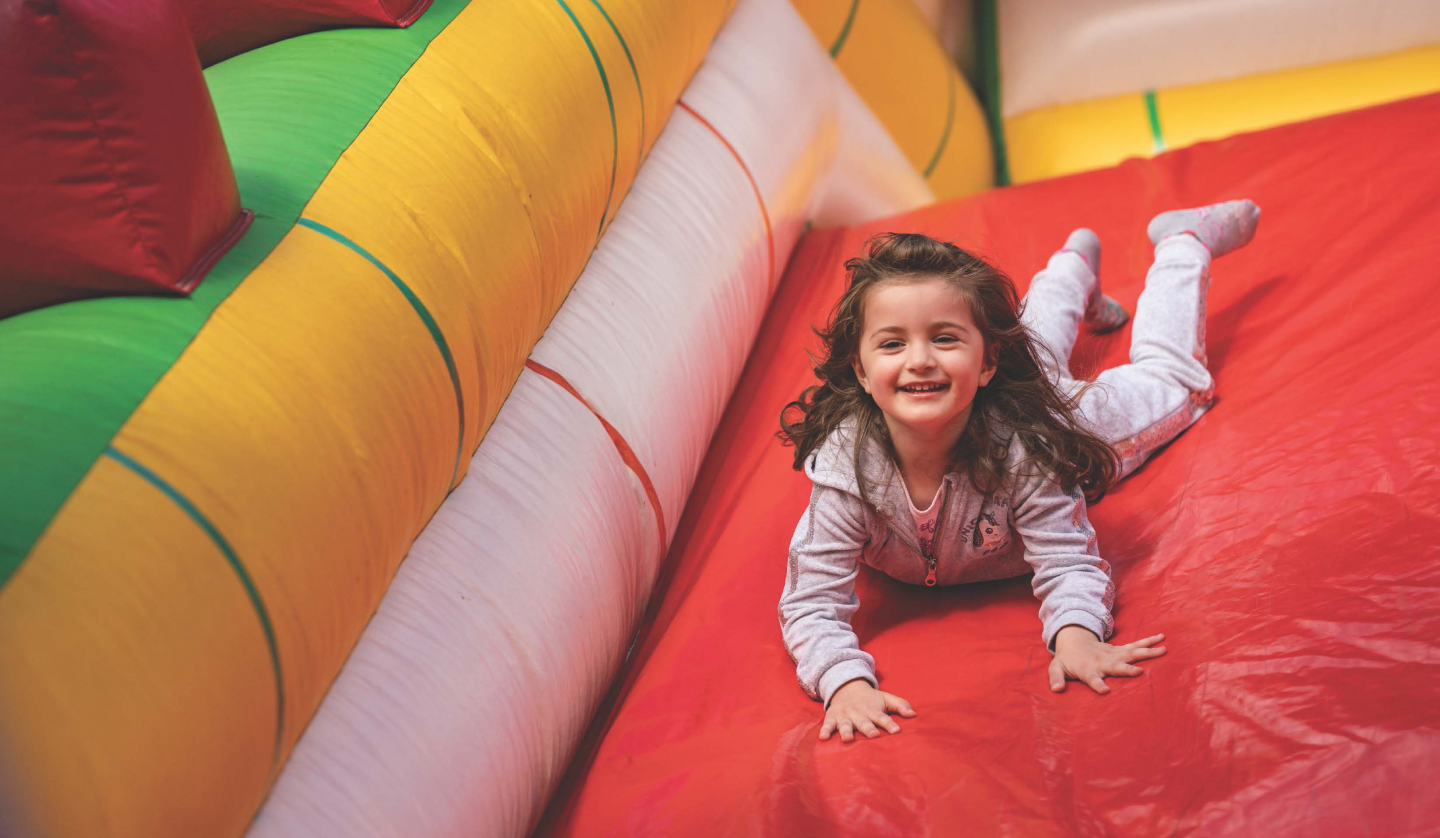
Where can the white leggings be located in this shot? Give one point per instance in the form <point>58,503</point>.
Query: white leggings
<point>1139,406</point>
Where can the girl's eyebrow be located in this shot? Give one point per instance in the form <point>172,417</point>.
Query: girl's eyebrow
<point>950,324</point>
<point>939,324</point>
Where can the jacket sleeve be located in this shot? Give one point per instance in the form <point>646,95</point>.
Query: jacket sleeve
<point>819,597</point>
<point>1071,581</point>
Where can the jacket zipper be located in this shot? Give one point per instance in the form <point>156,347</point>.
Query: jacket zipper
<point>930,580</point>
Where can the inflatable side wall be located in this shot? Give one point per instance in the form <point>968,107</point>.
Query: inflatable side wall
<point>254,461</point>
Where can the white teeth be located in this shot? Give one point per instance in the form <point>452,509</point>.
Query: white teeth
<point>922,388</point>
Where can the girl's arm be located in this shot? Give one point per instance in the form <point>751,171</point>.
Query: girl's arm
<point>1071,581</point>
<point>819,597</point>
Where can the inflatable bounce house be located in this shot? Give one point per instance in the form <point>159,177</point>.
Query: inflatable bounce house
<point>388,396</point>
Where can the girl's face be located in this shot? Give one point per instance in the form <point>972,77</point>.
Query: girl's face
<point>921,356</point>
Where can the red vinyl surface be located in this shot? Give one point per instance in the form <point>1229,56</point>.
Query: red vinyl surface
<point>223,28</point>
<point>114,177</point>
<point>1288,545</point>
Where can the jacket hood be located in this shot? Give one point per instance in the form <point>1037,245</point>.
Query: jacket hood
<point>833,463</point>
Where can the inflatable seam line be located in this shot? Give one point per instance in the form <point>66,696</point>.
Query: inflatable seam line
<point>1152,110</point>
<point>609,100</point>
<point>221,246</point>
<point>639,90</point>
<point>430,324</point>
<point>755,187</point>
<point>413,15</point>
<point>627,454</point>
<point>250,590</point>
<point>949,121</point>
<point>844,30</point>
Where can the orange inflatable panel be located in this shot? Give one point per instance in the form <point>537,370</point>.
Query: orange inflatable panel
<point>1288,545</point>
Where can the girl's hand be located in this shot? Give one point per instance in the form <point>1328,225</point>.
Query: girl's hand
<point>859,706</point>
<point>1081,656</point>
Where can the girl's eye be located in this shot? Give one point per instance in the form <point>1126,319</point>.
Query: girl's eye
<point>946,339</point>
<point>890,344</point>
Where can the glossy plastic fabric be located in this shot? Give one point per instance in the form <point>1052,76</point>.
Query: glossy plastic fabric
<point>892,58</point>
<point>1286,545</point>
<point>222,28</point>
<point>461,705</point>
<point>114,177</point>
<point>208,547</point>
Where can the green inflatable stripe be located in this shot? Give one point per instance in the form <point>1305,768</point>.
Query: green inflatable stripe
<point>844,30</point>
<point>988,24</point>
<point>1152,110</point>
<point>71,375</point>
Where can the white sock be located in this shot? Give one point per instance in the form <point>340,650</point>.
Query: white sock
<point>1220,227</point>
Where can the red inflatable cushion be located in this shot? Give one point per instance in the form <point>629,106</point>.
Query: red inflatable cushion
<point>114,177</point>
<point>222,28</point>
<point>1288,545</point>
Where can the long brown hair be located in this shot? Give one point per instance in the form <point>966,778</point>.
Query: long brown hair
<point>1020,399</point>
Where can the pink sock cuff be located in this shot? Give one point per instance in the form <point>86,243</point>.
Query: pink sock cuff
<point>1081,255</point>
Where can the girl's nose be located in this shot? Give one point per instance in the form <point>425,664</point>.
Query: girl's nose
<point>919,358</point>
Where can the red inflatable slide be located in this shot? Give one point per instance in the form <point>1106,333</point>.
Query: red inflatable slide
<point>1288,545</point>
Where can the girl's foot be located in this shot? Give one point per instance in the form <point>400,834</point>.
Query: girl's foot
<point>1220,227</point>
<point>1102,314</point>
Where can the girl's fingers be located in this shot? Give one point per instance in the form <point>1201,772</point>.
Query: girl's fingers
<point>896,704</point>
<point>827,728</point>
<point>885,722</point>
<point>1125,669</point>
<point>1149,641</point>
<point>1141,654</point>
<point>868,728</point>
<point>1057,676</point>
<point>1097,683</point>
<point>847,731</point>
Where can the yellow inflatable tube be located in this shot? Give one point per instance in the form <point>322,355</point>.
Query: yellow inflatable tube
<point>1076,137</point>
<point>890,56</point>
<point>188,606</point>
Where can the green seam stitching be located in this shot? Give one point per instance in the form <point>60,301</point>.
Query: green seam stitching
<point>633,72</point>
<point>949,120</point>
<point>844,30</point>
<point>609,100</point>
<point>255,599</point>
<point>1157,138</point>
<point>424,313</point>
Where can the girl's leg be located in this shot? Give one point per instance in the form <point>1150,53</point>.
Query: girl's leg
<point>1142,405</point>
<point>1064,293</point>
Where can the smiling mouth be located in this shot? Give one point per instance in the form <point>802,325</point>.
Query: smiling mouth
<point>922,389</point>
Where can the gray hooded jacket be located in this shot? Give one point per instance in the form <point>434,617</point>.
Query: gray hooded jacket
<point>975,541</point>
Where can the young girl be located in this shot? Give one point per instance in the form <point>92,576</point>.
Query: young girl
<point>948,443</point>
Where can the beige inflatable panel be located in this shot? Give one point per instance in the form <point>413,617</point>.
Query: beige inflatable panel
<point>1053,53</point>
